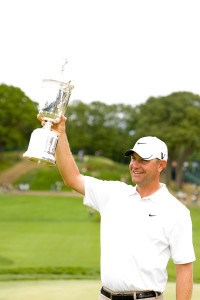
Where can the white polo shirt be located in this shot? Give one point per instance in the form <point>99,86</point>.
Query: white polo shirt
<point>138,235</point>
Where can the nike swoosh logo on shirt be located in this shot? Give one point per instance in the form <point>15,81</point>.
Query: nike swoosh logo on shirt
<point>150,215</point>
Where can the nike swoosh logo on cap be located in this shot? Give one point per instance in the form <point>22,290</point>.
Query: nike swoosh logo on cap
<point>150,215</point>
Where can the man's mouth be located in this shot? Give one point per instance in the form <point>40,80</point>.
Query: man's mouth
<point>137,172</point>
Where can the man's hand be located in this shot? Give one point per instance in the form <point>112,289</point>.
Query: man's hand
<point>58,128</point>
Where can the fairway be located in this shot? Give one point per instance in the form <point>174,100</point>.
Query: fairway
<point>69,289</point>
<point>55,237</point>
<point>47,235</point>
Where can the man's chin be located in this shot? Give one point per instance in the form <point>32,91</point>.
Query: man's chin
<point>136,181</point>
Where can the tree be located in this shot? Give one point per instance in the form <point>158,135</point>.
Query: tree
<point>100,128</point>
<point>18,118</point>
<point>175,119</point>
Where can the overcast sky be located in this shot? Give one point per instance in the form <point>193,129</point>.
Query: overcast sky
<point>118,51</point>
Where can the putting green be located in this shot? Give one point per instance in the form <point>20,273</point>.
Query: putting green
<point>65,289</point>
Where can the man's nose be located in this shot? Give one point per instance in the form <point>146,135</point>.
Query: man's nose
<point>135,163</point>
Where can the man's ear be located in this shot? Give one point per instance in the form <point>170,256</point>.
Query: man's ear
<point>162,165</point>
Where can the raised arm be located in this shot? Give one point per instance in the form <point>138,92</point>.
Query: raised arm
<point>65,160</point>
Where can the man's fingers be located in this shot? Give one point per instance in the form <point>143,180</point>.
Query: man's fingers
<point>63,118</point>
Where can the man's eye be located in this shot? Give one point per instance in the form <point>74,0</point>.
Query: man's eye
<point>145,161</point>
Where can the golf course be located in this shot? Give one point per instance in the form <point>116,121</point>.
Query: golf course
<point>50,246</point>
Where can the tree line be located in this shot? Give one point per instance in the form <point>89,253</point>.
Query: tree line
<point>108,130</point>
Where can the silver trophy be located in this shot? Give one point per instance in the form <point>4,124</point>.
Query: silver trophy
<point>43,141</point>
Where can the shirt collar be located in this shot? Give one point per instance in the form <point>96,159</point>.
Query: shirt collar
<point>155,196</point>
<point>133,191</point>
<point>158,194</point>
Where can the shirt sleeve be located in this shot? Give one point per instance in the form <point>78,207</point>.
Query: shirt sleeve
<point>180,239</point>
<point>99,192</point>
<point>96,192</point>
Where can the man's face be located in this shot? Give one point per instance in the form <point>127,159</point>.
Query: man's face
<point>145,172</point>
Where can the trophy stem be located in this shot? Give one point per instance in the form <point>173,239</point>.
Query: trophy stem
<point>48,124</point>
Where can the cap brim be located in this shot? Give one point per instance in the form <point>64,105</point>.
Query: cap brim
<point>128,152</point>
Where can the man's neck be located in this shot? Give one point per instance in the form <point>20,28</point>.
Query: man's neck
<point>146,191</point>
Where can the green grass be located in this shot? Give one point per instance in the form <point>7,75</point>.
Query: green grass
<point>41,179</point>
<point>8,159</point>
<point>59,289</point>
<point>47,235</point>
<point>195,212</point>
<point>55,237</point>
<point>45,178</point>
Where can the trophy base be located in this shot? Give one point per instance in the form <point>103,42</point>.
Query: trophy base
<point>39,159</point>
<point>42,147</point>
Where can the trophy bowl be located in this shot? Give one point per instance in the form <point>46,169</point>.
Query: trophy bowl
<point>43,141</point>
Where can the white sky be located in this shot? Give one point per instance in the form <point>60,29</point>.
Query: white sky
<point>118,51</point>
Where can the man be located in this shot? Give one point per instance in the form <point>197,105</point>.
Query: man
<point>141,226</point>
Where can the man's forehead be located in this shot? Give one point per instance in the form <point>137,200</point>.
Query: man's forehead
<point>135,155</point>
